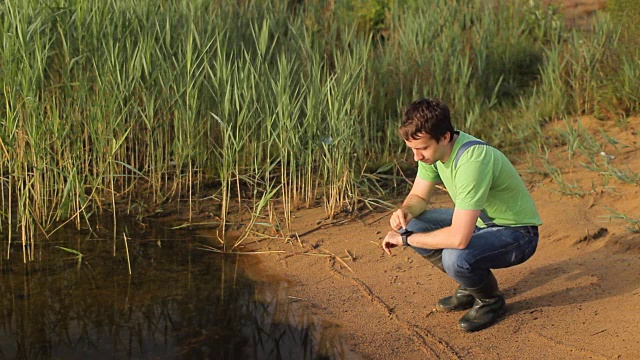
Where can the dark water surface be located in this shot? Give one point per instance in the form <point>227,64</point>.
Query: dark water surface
<point>180,302</point>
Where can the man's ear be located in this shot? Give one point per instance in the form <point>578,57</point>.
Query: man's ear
<point>446,138</point>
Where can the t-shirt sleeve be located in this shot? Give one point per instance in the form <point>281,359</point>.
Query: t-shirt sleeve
<point>428,172</point>
<point>473,182</point>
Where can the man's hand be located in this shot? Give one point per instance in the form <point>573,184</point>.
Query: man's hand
<point>400,218</point>
<point>392,240</point>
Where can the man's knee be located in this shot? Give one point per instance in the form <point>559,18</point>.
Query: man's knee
<point>429,221</point>
<point>416,226</point>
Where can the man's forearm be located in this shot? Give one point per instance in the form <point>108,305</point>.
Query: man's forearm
<point>415,204</point>
<point>445,238</point>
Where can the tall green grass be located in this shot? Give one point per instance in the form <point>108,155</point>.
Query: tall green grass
<point>107,105</point>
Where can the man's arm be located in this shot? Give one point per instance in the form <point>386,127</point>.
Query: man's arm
<point>414,204</point>
<point>456,236</point>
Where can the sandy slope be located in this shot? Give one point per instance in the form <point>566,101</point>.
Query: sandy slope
<point>578,297</point>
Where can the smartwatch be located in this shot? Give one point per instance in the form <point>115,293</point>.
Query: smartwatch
<point>404,234</point>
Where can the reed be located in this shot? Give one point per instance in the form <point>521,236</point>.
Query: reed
<point>106,104</point>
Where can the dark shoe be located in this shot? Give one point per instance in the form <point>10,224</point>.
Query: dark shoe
<point>435,258</point>
<point>488,307</point>
<point>461,300</point>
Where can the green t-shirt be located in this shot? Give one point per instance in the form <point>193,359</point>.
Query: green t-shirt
<point>484,179</point>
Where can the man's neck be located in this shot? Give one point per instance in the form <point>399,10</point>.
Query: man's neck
<point>450,146</point>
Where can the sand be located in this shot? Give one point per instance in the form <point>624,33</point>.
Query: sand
<point>578,297</point>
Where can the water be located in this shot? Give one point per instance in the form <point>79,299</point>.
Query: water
<point>180,302</point>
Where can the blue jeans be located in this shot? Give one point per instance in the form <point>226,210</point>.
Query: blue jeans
<point>490,248</point>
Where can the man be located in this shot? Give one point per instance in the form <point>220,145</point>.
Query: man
<point>494,223</point>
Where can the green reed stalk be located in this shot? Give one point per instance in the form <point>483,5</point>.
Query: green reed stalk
<point>630,83</point>
<point>551,92</point>
<point>586,63</point>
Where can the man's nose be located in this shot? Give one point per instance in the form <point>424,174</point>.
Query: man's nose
<point>416,155</point>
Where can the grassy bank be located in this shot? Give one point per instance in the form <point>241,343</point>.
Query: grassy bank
<point>138,103</point>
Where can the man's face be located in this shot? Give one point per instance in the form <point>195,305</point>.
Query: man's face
<point>427,150</point>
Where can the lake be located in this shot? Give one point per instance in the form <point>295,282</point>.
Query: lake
<point>77,300</point>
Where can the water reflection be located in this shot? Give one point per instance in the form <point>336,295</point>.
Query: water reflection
<point>179,302</point>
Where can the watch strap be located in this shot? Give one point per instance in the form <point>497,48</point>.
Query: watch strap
<point>404,234</point>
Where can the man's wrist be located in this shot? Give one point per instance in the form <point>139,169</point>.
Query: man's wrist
<point>404,235</point>
<point>406,210</point>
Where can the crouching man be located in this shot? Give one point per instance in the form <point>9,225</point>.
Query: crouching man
<point>494,223</point>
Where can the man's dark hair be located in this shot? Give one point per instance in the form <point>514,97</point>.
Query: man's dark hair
<point>426,116</point>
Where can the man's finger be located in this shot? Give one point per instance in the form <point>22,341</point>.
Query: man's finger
<point>386,247</point>
<point>403,221</point>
